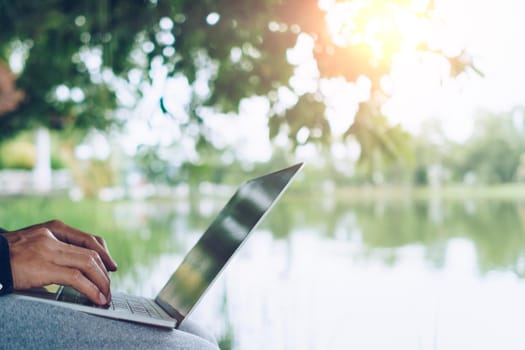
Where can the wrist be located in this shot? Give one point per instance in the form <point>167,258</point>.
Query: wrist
<point>6,277</point>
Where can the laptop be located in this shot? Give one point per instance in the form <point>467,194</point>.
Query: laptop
<point>199,268</point>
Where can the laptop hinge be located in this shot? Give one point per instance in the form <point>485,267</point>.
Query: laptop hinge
<point>170,311</point>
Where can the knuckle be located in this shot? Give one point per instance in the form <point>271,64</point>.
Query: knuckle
<point>76,275</point>
<point>54,223</point>
<point>44,234</point>
<point>93,255</point>
<point>91,263</point>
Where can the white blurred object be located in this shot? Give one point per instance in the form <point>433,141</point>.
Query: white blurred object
<point>42,169</point>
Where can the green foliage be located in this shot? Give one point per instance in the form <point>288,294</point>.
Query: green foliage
<point>87,47</point>
<point>154,168</point>
<point>494,151</point>
<point>47,32</point>
<point>57,162</point>
<point>93,175</point>
<point>381,144</point>
<point>430,147</point>
<point>17,155</point>
<point>20,153</point>
<point>492,155</point>
<point>308,113</point>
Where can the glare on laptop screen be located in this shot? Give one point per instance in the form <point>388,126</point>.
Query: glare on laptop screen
<point>227,232</point>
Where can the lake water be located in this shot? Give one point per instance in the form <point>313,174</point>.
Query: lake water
<point>328,274</point>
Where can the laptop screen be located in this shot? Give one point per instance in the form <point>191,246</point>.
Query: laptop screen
<point>227,232</point>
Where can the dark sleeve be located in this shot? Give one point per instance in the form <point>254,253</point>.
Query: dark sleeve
<point>6,278</point>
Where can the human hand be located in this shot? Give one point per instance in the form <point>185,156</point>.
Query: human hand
<point>53,252</point>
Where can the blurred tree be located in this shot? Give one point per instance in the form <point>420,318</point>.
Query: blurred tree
<point>76,53</point>
<point>380,143</point>
<point>431,148</point>
<point>493,153</point>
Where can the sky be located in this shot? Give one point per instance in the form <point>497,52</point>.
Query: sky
<point>491,32</point>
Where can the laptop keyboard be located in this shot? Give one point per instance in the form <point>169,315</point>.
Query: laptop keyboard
<point>135,305</point>
<point>119,302</point>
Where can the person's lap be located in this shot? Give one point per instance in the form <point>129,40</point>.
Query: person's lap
<point>34,325</point>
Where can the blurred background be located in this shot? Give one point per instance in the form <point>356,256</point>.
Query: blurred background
<point>136,120</point>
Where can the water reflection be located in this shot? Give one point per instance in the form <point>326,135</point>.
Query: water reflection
<point>328,274</point>
<point>495,228</point>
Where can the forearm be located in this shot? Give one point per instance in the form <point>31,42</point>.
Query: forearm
<point>6,277</point>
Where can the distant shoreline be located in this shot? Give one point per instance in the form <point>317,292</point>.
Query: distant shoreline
<point>503,191</point>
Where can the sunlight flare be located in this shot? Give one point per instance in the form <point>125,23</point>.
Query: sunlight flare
<point>387,27</point>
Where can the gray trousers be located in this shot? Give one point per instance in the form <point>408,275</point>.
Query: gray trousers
<point>27,324</point>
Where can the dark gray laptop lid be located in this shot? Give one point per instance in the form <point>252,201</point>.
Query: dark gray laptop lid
<point>227,232</point>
